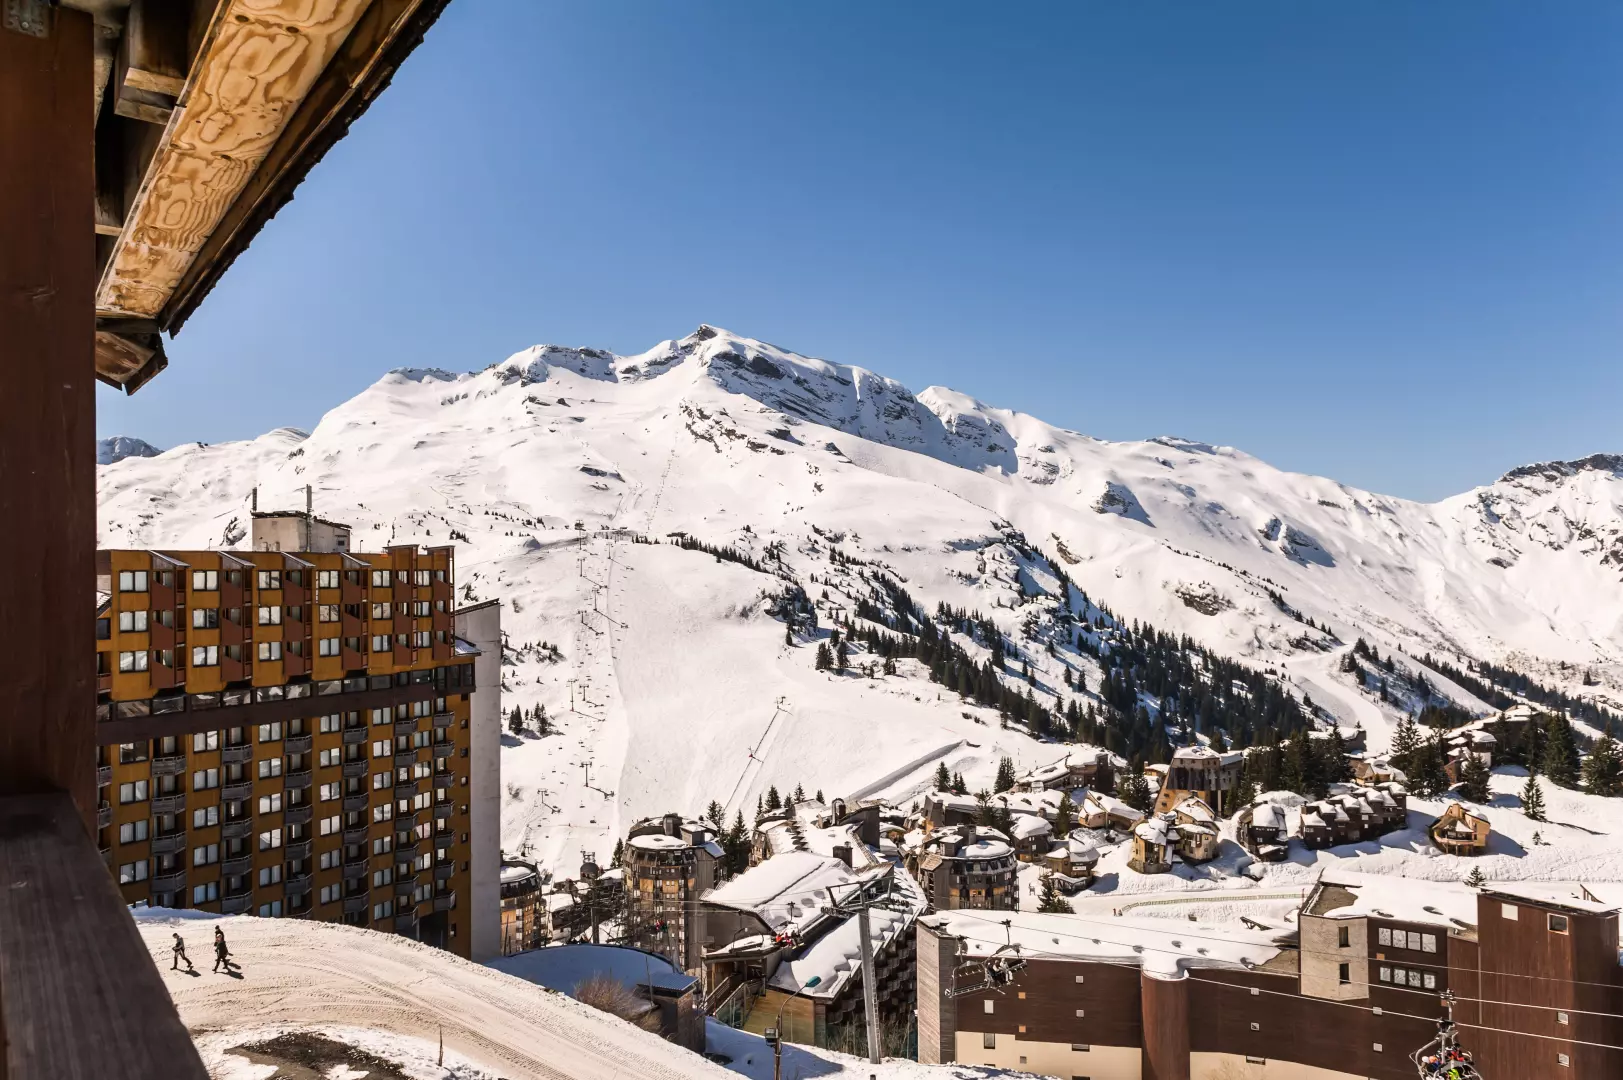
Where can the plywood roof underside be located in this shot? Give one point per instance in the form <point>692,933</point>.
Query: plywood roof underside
<point>209,114</point>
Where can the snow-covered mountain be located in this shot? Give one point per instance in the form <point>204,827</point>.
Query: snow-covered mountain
<point>120,447</point>
<point>683,686</point>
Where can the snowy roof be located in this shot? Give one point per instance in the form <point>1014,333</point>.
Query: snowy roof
<point>1109,804</point>
<point>1155,830</point>
<point>1577,897</point>
<point>836,955</point>
<point>512,872</point>
<point>565,967</point>
<point>1196,809</point>
<point>1389,896</point>
<point>1164,947</point>
<point>1205,755</point>
<point>1268,816</point>
<point>657,842</point>
<point>788,892</point>
<point>1027,826</point>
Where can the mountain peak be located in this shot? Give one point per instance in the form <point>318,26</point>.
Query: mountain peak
<point>1555,471</point>
<point>119,447</point>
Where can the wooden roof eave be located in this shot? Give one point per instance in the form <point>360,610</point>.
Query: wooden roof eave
<point>225,191</point>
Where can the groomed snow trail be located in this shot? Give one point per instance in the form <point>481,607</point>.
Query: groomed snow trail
<point>299,972</point>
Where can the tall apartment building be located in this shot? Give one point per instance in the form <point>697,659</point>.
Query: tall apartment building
<point>669,863</point>
<point>292,733</point>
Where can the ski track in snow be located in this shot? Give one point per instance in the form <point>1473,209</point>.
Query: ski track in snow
<point>675,668</point>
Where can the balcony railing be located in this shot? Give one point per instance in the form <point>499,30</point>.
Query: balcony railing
<point>444,871</point>
<point>444,749</point>
<point>354,735</point>
<point>104,775</point>
<point>237,867</point>
<point>237,755</point>
<point>358,869</point>
<point>445,902</point>
<point>443,719</point>
<point>354,768</point>
<point>168,764</point>
<point>104,816</point>
<point>236,830</point>
<point>296,780</point>
<point>169,804</point>
<point>357,904</point>
<point>354,804</point>
<point>297,883</point>
<point>169,883</point>
<point>444,780</point>
<point>237,792</point>
<point>298,849</point>
<point>237,905</point>
<point>297,744</point>
<point>405,727</point>
<point>169,844</point>
<point>356,835</point>
<point>298,815</point>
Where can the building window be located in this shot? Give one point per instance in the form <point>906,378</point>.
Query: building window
<point>132,832</point>
<point>1376,1047</point>
<point>132,872</point>
<point>270,732</point>
<point>1344,973</point>
<point>205,854</point>
<point>1508,911</point>
<point>380,579</point>
<point>383,812</point>
<point>205,817</point>
<point>987,1005</point>
<point>382,748</point>
<point>271,804</point>
<point>1383,936</point>
<point>270,650</point>
<point>327,613</point>
<point>988,1040</point>
<point>135,791</point>
<point>270,839</point>
<point>270,875</point>
<point>270,579</point>
<point>1558,924</point>
<point>132,661</point>
<point>1081,1048</point>
<point>203,779</point>
<point>328,792</point>
<point>270,616</point>
<point>326,579</point>
<point>132,581</point>
<point>206,893</point>
<point>382,845</point>
<point>132,622</point>
<point>1343,937</point>
<point>205,618</point>
<point>329,893</point>
<point>1429,981</point>
<point>1563,1061</point>
<point>205,656</point>
<point>380,643</point>
<point>1562,1018</point>
<point>272,910</point>
<point>205,580</point>
<point>1250,1060</point>
<point>382,877</point>
<point>204,741</point>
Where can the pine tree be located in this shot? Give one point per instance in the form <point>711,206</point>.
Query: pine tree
<point>1064,816</point>
<point>1005,776</point>
<point>738,844</point>
<point>983,808</point>
<point>1134,790</point>
<point>515,722</point>
<point>619,853</point>
<point>1533,799</point>
<point>943,778</point>
<point>825,659</point>
<point>958,785</point>
<point>1476,879</point>
<point>1474,775</point>
<point>1405,741</point>
<point>842,656</point>
<point>820,795</point>
<point>1560,758</point>
<point>1337,765</point>
<point>788,634</point>
<point>774,801</point>
<point>1603,769</point>
<point>715,815</point>
<point>760,810</point>
<point>800,794</point>
<point>1050,901</point>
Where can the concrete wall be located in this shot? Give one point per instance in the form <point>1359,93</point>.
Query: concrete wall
<point>936,956</point>
<point>481,626</point>
<point>1237,1067</point>
<point>1050,1058</point>
<point>288,534</point>
<point>1323,955</point>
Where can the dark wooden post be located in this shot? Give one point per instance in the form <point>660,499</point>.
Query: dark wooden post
<point>1165,1005</point>
<point>47,410</point>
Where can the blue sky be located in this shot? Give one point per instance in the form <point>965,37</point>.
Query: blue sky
<point>1378,242</point>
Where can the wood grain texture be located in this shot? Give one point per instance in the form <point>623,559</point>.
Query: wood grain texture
<point>79,996</point>
<point>47,412</point>
<point>257,66</point>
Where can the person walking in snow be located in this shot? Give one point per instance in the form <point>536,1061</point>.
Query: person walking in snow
<point>179,951</point>
<point>220,951</point>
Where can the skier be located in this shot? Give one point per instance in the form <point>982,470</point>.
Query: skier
<point>220,951</point>
<point>179,951</point>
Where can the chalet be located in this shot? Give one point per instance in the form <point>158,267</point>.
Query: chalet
<point>1467,744</point>
<point>1460,831</point>
<point>1155,844</point>
<point>1099,811</point>
<point>1352,816</point>
<point>1071,862</point>
<point>1032,836</point>
<point>1079,769</point>
<point>967,866</point>
<point>1197,830</point>
<point>1377,770</point>
<point>1203,772</point>
<point>1260,829</point>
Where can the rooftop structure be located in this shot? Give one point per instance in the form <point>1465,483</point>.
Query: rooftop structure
<point>669,863</point>
<point>672,998</point>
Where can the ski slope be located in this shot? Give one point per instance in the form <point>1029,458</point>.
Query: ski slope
<point>672,684</point>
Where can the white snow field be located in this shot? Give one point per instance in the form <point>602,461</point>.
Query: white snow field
<point>674,683</point>
<point>396,998</point>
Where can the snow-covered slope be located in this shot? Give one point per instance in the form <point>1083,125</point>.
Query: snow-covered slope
<point>684,689</point>
<point>120,447</point>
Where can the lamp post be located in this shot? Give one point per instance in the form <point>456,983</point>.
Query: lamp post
<point>775,1035</point>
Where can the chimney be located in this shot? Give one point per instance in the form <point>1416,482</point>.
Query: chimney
<point>842,852</point>
<point>671,824</point>
<point>309,519</point>
<point>253,503</point>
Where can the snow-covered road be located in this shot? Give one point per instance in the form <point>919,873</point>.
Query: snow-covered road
<point>300,972</point>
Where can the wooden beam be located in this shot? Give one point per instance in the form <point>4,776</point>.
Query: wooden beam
<point>80,998</point>
<point>47,414</point>
<point>154,55</point>
<point>380,42</point>
<point>258,63</point>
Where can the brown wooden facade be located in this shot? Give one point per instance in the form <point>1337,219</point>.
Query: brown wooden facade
<point>286,734</point>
